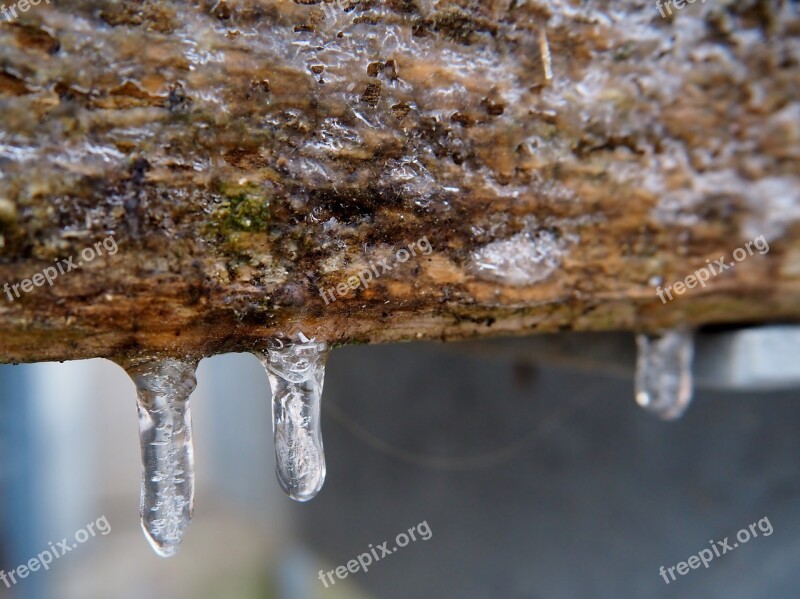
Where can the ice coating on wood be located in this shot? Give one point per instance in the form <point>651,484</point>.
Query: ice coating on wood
<point>664,372</point>
<point>296,372</point>
<point>524,259</point>
<point>456,120</point>
<point>163,387</point>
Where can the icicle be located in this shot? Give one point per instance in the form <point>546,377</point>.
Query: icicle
<point>296,371</point>
<point>163,387</point>
<point>664,372</point>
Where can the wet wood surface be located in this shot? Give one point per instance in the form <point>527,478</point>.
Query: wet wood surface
<point>195,177</point>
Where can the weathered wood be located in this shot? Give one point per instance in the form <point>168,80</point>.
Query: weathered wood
<point>559,157</point>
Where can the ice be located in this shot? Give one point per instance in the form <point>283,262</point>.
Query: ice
<point>664,372</point>
<point>296,370</point>
<point>163,387</point>
<point>524,259</point>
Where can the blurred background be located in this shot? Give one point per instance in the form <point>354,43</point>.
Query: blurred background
<point>536,478</point>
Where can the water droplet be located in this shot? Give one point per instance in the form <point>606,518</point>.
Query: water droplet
<point>296,371</point>
<point>664,372</point>
<point>163,387</point>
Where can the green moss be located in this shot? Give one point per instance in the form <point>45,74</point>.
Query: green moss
<point>245,208</point>
<point>248,213</point>
<point>623,52</point>
<point>353,342</point>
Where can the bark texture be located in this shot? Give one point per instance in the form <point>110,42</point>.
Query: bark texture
<point>561,159</point>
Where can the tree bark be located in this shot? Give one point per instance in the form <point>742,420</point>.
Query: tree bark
<point>243,161</point>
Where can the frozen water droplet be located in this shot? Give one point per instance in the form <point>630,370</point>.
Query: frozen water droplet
<point>296,371</point>
<point>664,372</point>
<point>163,387</point>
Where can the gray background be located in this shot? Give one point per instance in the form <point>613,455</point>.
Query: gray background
<point>536,481</point>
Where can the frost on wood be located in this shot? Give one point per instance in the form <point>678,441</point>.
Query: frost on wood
<point>522,260</point>
<point>247,154</point>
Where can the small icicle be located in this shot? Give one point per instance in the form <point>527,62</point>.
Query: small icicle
<point>664,372</point>
<point>296,371</point>
<point>163,387</point>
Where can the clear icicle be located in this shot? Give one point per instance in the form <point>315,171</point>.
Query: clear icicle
<point>296,371</point>
<point>664,372</point>
<point>163,387</point>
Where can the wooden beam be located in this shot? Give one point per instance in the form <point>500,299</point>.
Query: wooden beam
<point>559,161</point>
